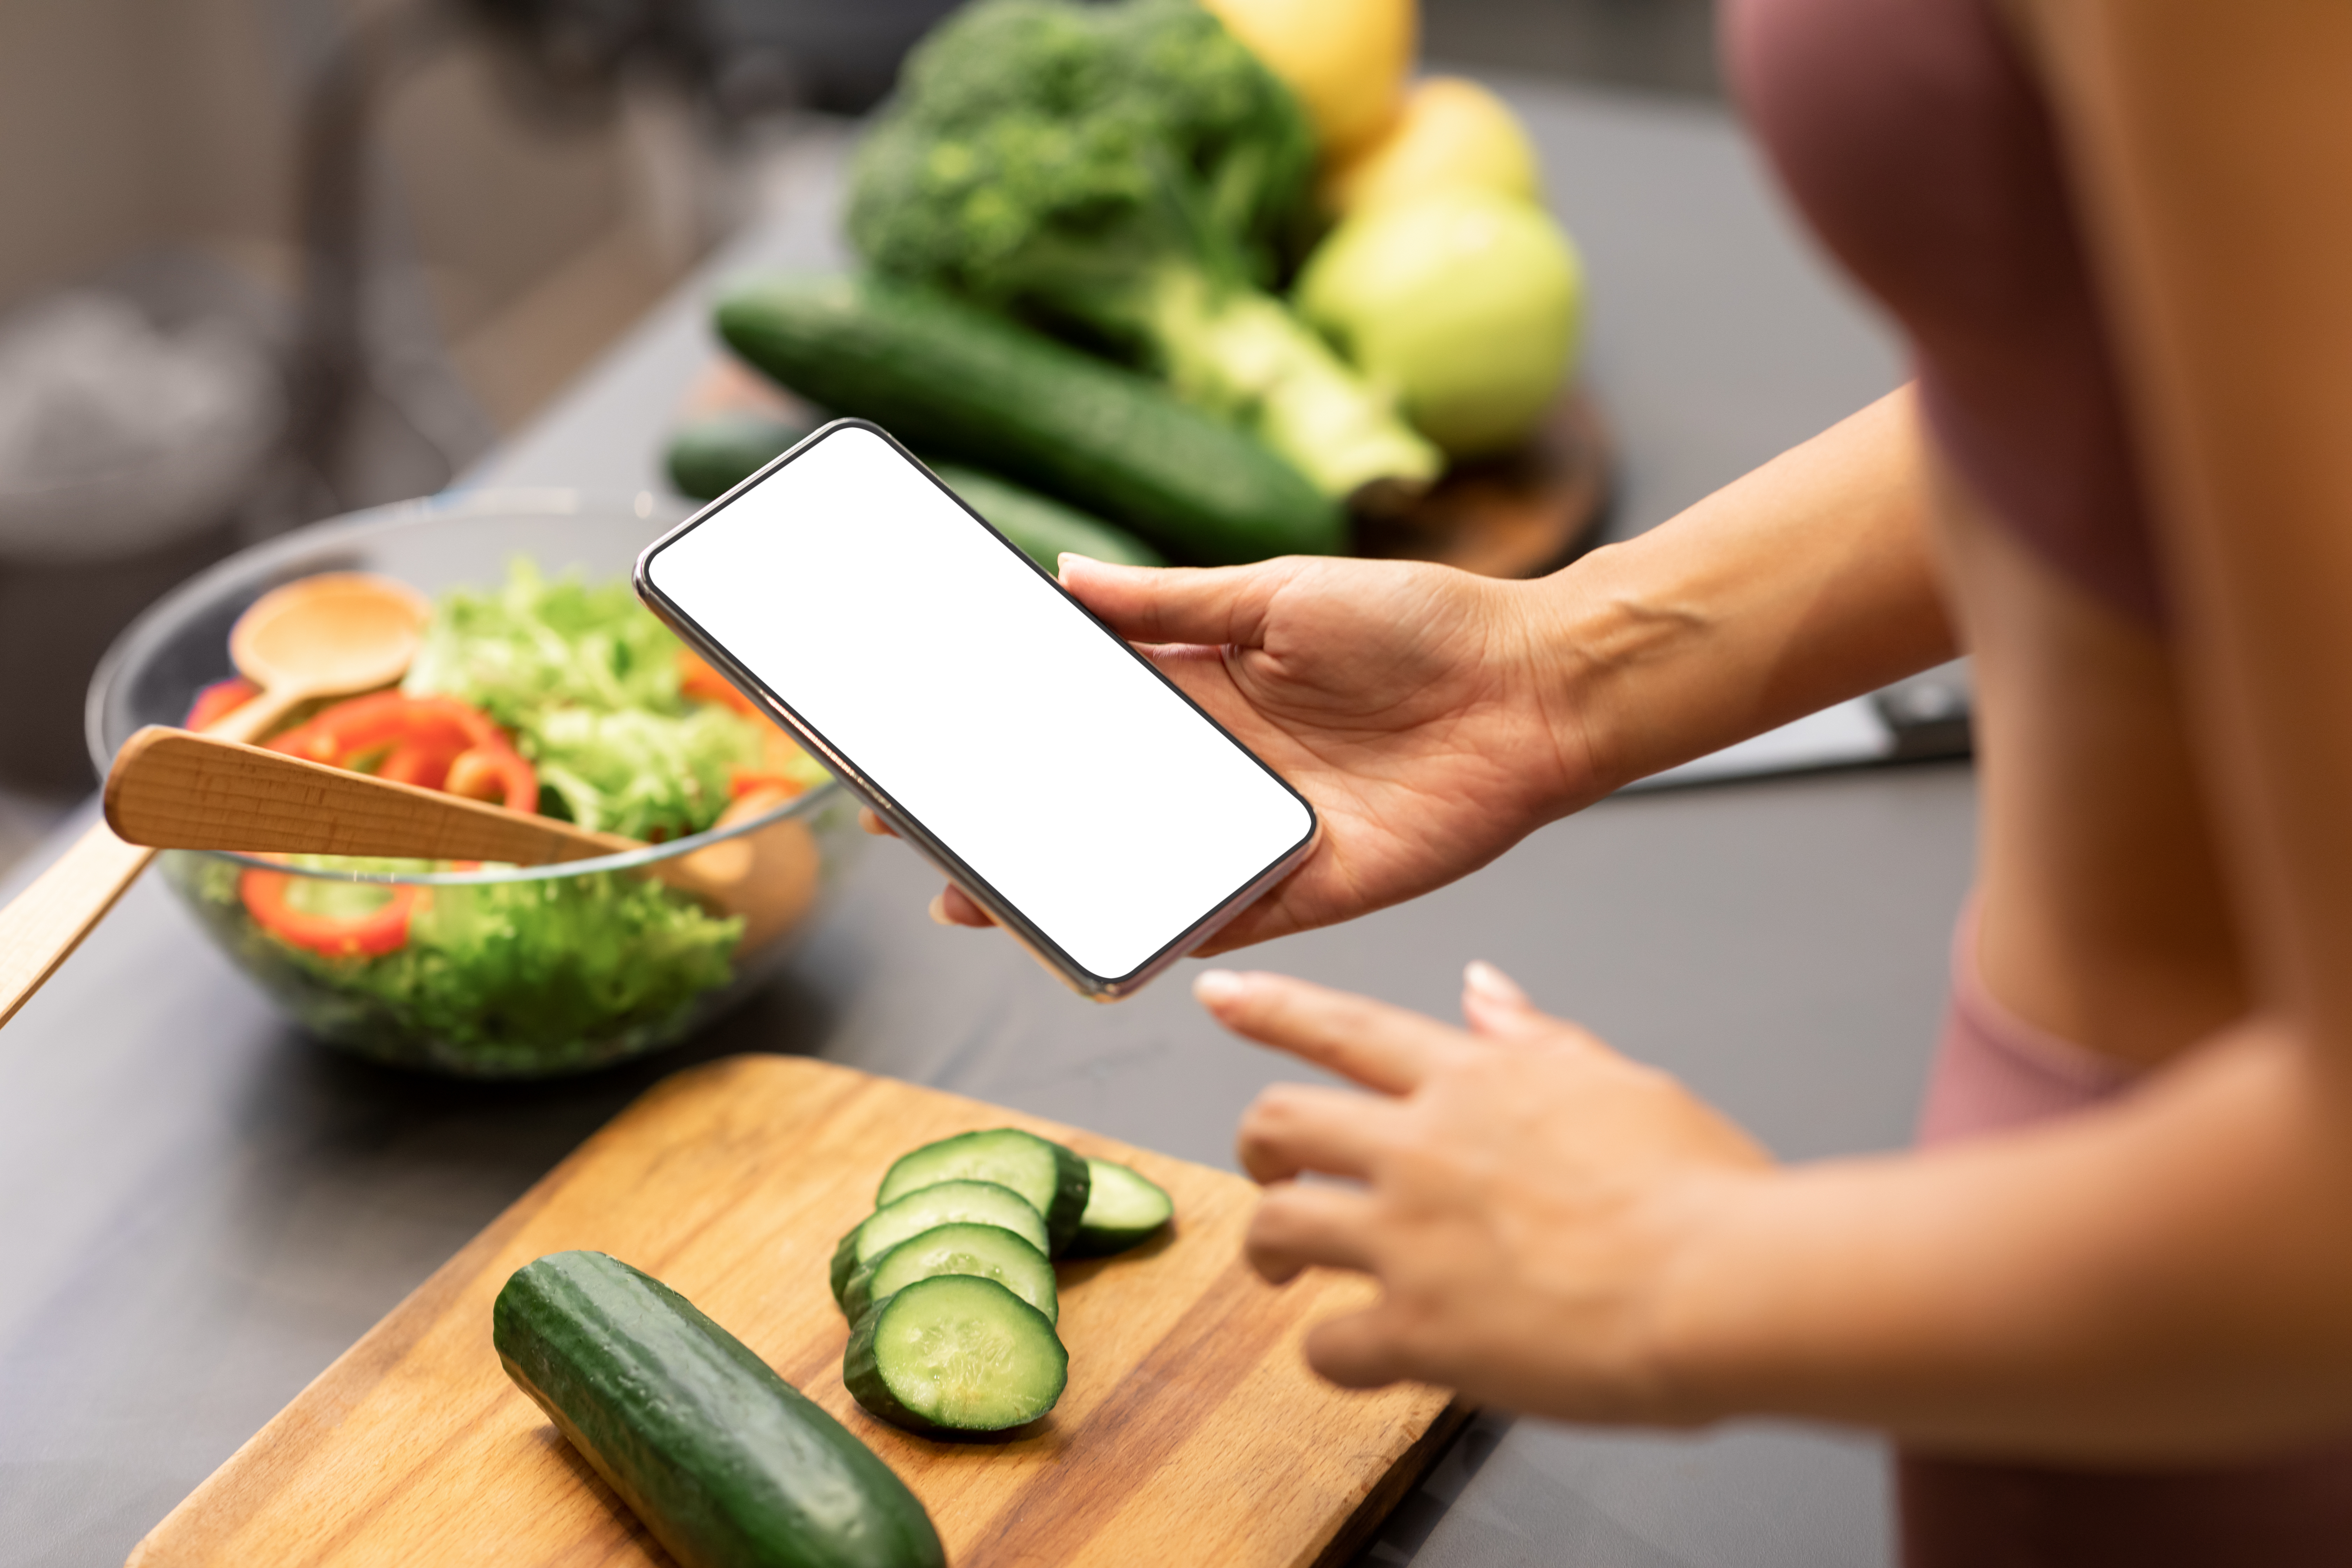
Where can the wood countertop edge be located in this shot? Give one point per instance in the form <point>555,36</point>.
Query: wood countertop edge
<point>1357,1530</point>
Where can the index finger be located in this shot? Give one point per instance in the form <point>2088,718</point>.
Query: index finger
<point>1371,1043</point>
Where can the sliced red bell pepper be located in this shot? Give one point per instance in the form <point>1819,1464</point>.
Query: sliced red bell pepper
<point>744,782</point>
<point>218,700</point>
<point>367,726</point>
<point>434,742</point>
<point>424,763</point>
<point>699,680</point>
<point>417,740</point>
<point>494,773</point>
<point>268,898</point>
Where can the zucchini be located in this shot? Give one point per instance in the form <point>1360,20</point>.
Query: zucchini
<point>988,1250</point>
<point>724,1462</point>
<point>955,1353</point>
<point>1051,1177</point>
<point>711,455</point>
<point>971,386</point>
<point>1123,1209</point>
<point>948,1203</point>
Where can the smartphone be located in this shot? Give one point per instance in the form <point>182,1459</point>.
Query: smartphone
<point>1056,777</point>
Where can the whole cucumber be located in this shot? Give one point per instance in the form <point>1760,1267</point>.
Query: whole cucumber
<point>725,1462</point>
<point>949,378</point>
<point>711,455</point>
<point>1041,526</point>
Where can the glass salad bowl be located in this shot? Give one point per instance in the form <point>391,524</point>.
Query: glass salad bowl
<point>490,971</point>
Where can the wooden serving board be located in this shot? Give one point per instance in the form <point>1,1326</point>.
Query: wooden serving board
<point>1520,514</point>
<point>1191,1432</point>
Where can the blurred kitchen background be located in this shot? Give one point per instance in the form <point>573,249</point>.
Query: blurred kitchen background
<point>265,261</point>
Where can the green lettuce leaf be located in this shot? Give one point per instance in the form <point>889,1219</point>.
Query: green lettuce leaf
<point>587,681</point>
<point>497,977</point>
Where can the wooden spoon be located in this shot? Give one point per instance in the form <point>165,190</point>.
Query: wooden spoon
<point>329,636</point>
<point>170,789</point>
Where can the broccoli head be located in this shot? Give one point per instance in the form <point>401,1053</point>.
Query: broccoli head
<point>1035,140</point>
<point>1125,173</point>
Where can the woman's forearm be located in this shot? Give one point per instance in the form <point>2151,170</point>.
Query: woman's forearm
<point>1809,581</point>
<point>2166,1280</point>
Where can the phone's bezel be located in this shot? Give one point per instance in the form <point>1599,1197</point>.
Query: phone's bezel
<point>1104,988</point>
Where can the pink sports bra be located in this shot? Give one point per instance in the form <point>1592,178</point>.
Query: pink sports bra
<point>1917,142</point>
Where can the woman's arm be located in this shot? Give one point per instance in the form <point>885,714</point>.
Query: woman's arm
<point>2163,1281</point>
<point>1435,717</point>
<point>1810,581</point>
<point>1564,1232</point>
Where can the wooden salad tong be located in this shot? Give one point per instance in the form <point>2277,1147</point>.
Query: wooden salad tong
<point>335,634</point>
<point>174,789</point>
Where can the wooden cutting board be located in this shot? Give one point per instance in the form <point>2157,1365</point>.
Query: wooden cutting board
<point>1191,1432</point>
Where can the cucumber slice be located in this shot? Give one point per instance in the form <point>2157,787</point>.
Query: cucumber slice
<point>948,1203</point>
<point>1123,1209</point>
<point>955,1353</point>
<point>988,1250</point>
<point>1052,1178</point>
<point>845,1259</point>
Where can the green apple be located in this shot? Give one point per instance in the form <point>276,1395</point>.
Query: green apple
<point>1466,304</point>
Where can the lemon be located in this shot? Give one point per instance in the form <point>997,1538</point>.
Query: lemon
<point>1346,59</point>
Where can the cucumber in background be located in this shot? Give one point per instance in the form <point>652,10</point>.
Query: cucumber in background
<point>1041,526</point>
<point>711,455</point>
<point>955,381</point>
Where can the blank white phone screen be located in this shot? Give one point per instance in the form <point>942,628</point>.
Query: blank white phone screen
<point>1035,746</point>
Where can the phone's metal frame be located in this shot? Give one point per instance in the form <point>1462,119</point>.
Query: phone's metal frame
<point>1099,987</point>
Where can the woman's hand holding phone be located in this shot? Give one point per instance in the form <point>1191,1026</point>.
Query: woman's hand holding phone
<point>1415,706</point>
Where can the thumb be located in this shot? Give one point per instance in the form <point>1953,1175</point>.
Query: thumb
<point>1214,605</point>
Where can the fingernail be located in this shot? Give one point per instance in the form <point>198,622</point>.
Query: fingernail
<point>1488,983</point>
<point>939,910</point>
<point>1211,986</point>
<point>1062,561</point>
